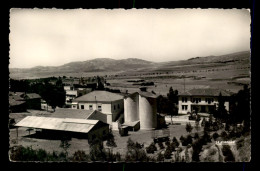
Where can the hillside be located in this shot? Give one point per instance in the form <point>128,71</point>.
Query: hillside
<point>112,66</point>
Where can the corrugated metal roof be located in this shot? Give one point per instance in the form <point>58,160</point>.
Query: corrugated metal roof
<point>205,92</point>
<point>71,113</point>
<point>61,124</point>
<point>102,96</point>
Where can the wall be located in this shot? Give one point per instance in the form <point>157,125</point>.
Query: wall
<point>115,110</point>
<point>100,131</point>
<point>131,109</point>
<point>148,112</point>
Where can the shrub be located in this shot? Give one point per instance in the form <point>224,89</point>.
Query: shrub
<point>161,145</point>
<point>160,157</point>
<point>224,135</point>
<point>130,143</point>
<point>151,148</point>
<point>167,143</point>
<point>227,153</point>
<point>203,122</point>
<point>215,136</point>
<point>188,127</point>
<point>206,138</point>
<point>80,156</point>
<point>175,142</point>
<point>167,153</point>
<point>196,136</point>
<point>196,146</point>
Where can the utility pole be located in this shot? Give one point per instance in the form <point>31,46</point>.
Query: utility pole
<point>184,83</point>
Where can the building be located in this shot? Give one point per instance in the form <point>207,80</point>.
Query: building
<point>108,103</point>
<point>16,102</point>
<point>73,92</point>
<point>140,108</point>
<point>33,101</point>
<point>50,126</point>
<point>205,100</point>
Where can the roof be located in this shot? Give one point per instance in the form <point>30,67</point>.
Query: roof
<point>32,96</point>
<point>205,92</point>
<point>16,95</point>
<point>102,96</point>
<point>131,124</point>
<point>71,113</point>
<point>144,94</point>
<point>13,102</point>
<point>98,116</point>
<point>61,124</point>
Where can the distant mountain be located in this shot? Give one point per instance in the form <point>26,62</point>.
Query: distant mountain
<point>130,64</point>
<point>95,65</point>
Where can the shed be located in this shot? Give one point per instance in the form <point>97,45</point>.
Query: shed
<point>90,129</point>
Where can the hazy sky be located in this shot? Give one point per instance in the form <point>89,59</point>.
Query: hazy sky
<point>52,37</point>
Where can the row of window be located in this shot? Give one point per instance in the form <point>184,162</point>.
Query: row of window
<point>197,100</point>
<point>91,107</point>
<point>99,107</point>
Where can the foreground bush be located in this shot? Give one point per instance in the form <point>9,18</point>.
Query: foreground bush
<point>20,153</point>
<point>151,148</point>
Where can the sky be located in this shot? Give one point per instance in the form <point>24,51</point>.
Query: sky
<point>53,37</point>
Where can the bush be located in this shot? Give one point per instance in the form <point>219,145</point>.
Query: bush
<point>167,153</point>
<point>206,138</point>
<point>215,136</point>
<point>151,148</point>
<point>175,142</point>
<point>227,153</point>
<point>203,122</point>
<point>196,136</point>
<point>80,156</point>
<point>188,127</point>
<point>130,143</point>
<point>224,135</point>
<point>161,145</point>
<point>160,157</point>
<point>167,143</point>
<point>196,146</point>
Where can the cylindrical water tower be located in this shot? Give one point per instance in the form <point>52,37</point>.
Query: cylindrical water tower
<point>147,112</point>
<point>131,105</point>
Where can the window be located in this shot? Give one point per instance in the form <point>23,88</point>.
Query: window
<point>118,106</point>
<point>99,108</point>
<point>114,107</point>
<point>82,106</point>
<point>90,107</point>
<point>184,107</point>
<point>184,99</point>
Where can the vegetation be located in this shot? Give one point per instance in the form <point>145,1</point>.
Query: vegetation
<point>65,146</point>
<point>151,148</point>
<point>111,139</point>
<point>188,127</point>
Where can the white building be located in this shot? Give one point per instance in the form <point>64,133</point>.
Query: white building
<point>108,103</point>
<point>72,93</point>
<point>205,100</point>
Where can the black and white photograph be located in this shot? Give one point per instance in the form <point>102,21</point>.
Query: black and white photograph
<point>136,85</point>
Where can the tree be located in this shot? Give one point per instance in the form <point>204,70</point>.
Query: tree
<point>173,100</point>
<point>111,139</point>
<point>188,127</point>
<point>175,142</point>
<point>221,110</point>
<point>65,146</point>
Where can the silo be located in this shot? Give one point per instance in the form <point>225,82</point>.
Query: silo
<point>131,104</point>
<point>147,112</point>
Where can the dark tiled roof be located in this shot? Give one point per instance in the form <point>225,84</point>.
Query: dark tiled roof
<point>96,115</point>
<point>13,102</point>
<point>102,96</point>
<point>205,92</point>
